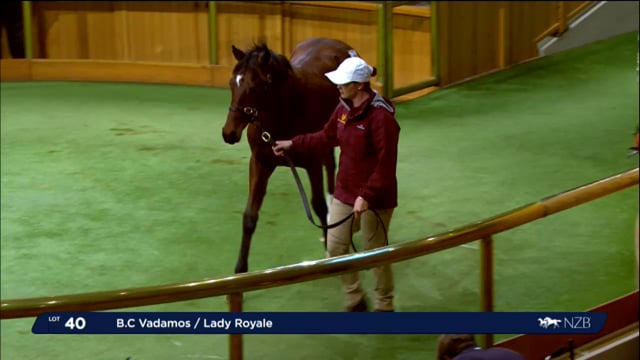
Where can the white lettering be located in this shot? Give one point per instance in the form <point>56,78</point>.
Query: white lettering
<point>160,324</point>
<point>217,324</point>
<point>253,324</point>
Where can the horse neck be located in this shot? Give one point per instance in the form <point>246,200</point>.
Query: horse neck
<point>287,112</point>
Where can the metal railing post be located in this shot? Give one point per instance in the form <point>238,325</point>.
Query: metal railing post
<point>235,340</point>
<point>213,33</point>
<point>385,47</point>
<point>562,18</point>
<point>26,24</point>
<point>435,44</point>
<point>486,282</point>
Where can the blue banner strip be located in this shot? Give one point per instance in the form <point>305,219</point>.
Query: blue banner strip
<point>320,323</point>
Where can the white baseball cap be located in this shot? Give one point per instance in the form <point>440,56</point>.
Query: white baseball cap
<point>352,69</point>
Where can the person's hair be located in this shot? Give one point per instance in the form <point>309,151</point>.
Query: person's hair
<point>450,345</point>
<point>374,72</point>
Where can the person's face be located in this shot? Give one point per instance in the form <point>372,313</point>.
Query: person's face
<point>349,90</point>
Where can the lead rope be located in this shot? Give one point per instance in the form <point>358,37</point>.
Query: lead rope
<point>266,137</point>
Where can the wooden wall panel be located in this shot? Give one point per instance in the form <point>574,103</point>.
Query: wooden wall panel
<point>75,30</point>
<point>166,31</point>
<point>412,38</point>
<point>455,27</point>
<point>528,20</point>
<point>15,69</point>
<point>177,32</point>
<point>487,37</point>
<point>474,38</point>
<point>284,25</point>
<point>173,32</point>
<point>36,36</point>
<point>356,27</point>
<point>118,71</point>
<point>244,23</point>
<point>6,53</point>
<point>470,38</point>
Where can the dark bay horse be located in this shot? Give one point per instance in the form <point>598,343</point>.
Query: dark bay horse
<point>282,97</point>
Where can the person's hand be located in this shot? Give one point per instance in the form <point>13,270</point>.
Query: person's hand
<point>360,206</point>
<point>281,146</point>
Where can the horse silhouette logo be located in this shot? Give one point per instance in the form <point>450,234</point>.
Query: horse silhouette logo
<point>547,321</point>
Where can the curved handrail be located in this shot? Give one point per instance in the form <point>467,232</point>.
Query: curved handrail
<point>317,269</point>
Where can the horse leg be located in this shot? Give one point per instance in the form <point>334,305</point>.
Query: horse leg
<point>330,166</point>
<point>258,179</point>
<point>317,196</point>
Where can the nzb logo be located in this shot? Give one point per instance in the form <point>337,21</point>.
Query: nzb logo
<point>547,321</point>
<point>573,322</point>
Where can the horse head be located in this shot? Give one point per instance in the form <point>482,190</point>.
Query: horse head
<point>256,82</point>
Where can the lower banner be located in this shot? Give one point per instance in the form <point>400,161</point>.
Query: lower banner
<point>320,323</point>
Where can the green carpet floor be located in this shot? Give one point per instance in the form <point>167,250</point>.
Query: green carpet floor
<point>108,186</point>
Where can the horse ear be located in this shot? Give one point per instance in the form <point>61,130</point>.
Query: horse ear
<point>237,53</point>
<point>264,58</point>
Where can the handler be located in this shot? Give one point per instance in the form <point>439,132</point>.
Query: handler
<point>363,125</point>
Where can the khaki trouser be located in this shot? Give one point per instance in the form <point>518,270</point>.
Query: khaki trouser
<point>373,236</point>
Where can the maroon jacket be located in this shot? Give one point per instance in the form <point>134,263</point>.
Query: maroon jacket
<point>368,139</point>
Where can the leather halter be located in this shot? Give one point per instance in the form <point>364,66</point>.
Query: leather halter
<point>253,113</point>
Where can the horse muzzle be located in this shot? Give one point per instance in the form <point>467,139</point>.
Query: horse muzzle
<point>231,137</point>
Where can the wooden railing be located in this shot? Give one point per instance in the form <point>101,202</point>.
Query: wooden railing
<point>565,12</point>
<point>235,285</point>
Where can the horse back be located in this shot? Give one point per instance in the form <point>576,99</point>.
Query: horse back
<point>319,55</point>
<point>310,60</point>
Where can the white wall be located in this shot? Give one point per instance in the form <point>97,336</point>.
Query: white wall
<point>606,19</point>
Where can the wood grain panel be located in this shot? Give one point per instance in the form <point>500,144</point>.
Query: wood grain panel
<point>412,61</point>
<point>36,37</point>
<point>66,28</point>
<point>356,27</point>
<point>460,42</point>
<point>15,70</point>
<point>6,53</point>
<point>175,32</point>
<point>138,72</point>
<point>443,24</point>
<point>528,20</point>
<point>244,23</point>
<point>470,43</point>
<point>166,31</point>
<point>487,37</point>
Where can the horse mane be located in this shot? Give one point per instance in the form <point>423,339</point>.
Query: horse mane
<point>261,58</point>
